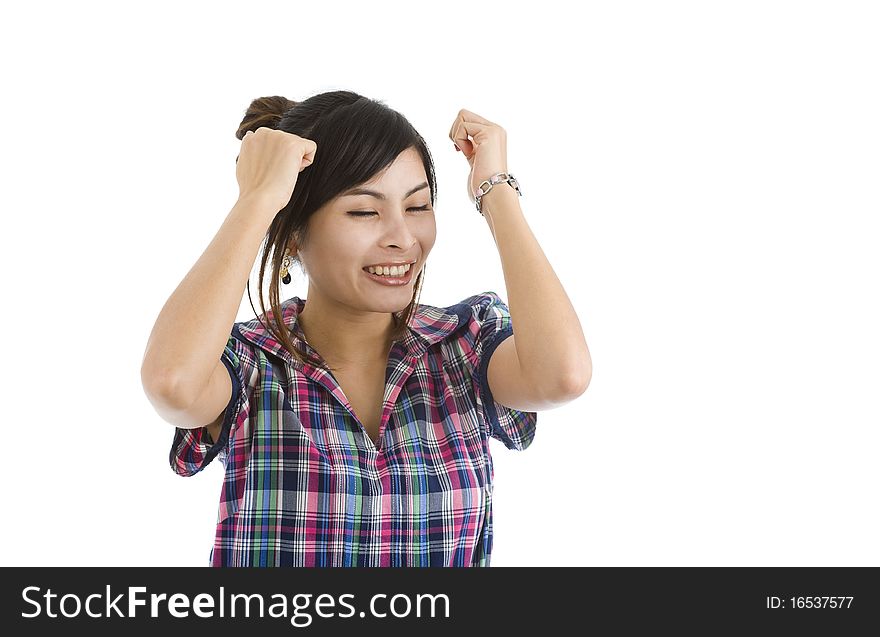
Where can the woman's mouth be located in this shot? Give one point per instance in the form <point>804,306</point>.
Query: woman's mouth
<point>389,279</point>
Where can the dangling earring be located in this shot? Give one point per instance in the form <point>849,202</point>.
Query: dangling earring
<point>285,266</point>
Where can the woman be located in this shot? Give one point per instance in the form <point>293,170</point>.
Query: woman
<point>354,428</point>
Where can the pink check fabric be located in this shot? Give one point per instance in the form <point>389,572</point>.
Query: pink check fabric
<point>305,485</point>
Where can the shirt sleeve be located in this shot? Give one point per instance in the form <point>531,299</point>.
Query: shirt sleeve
<point>192,449</point>
<point>489,325</point>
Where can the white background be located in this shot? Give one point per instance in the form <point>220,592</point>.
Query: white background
<point>703,177</point>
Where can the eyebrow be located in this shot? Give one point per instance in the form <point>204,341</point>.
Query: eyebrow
<point>379,195</point>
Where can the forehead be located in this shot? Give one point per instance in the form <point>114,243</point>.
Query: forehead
<point>373,192</point>
<point>403,177</point>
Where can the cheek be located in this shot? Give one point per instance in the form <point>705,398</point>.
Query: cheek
<point>427,235</point>
<point>341,248</point>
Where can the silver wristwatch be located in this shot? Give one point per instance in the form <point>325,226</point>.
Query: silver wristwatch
<point>488,184</point>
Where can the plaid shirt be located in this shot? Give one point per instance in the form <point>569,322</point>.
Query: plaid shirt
<point>304,485</point>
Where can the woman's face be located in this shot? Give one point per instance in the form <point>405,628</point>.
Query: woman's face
<point>353,231</point>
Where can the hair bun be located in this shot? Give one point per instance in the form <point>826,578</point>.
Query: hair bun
<point>264,111</point>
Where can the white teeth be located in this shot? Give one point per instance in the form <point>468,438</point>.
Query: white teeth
<point>392,271</point>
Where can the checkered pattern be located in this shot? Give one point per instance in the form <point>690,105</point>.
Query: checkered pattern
<point>304,485</point>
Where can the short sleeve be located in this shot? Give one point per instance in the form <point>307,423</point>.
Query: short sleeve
<point>490,324</point>
<point>192,449</point>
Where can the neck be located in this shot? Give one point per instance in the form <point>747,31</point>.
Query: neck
<point>343,336</point>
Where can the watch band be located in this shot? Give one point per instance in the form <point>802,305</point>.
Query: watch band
<point>487,185</point>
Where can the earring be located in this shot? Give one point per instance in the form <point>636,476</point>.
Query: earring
<point>285,266</point>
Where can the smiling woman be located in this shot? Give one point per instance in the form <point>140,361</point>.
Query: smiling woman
<point>353,425</point>
<point>387,221</point>
<point>376,169</point>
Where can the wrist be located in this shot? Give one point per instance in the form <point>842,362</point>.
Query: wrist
<point>501,196</point>
<point>257,206</point>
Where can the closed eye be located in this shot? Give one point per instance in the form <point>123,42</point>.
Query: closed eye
<point>364,213</point>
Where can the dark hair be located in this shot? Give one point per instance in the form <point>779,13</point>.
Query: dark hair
<point>357,137</point>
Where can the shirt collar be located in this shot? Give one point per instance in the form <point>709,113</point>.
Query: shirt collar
<point>428,326</point>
